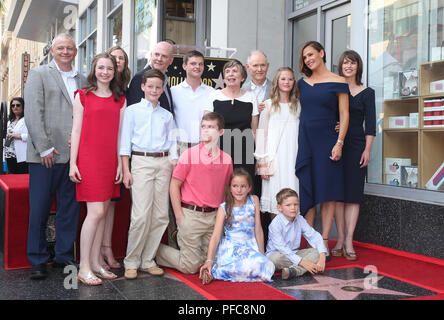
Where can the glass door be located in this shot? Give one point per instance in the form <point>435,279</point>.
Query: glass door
<point>304,30</point>
<point>337,34</point>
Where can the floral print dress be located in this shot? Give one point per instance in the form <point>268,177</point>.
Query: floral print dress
<point>10,151</point>
<point>237,257</point>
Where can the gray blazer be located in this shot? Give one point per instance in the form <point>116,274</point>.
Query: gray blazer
<point>48,114</point>
<point>247,87</point>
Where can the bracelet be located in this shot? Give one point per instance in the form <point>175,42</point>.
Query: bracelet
<point>208,260</point>
<point>341,142</point>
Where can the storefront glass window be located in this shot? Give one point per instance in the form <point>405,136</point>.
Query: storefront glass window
<point>82,53</point>
<point>114,17</point>
<point>405,46</point>
<point>180,22</point>
<point>92,18</point>
<point>87,39</point>
<point>145,31</point>
<point>114,3</point>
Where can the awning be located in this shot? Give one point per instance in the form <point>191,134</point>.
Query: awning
<point>33,19</point>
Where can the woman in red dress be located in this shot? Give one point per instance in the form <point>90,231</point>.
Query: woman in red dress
<point>95,164</point>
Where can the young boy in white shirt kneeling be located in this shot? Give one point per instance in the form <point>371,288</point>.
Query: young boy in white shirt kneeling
<point>284,239</point>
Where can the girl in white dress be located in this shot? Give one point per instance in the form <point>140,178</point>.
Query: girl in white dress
<point>277,139</point>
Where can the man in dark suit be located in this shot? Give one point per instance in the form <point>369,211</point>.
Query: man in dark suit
<point>161,58</point>
<point>49,96</point>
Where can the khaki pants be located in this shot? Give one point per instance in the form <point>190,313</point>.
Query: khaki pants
<point>181,148</point>
<point>193,236</point>
<point>281,261</point>
<point>149,213</point>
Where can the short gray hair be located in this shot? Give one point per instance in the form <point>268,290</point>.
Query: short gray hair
<point>63,35</point>
<point>257,52</point>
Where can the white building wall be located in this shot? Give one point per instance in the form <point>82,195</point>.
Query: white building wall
<point>256,25</point>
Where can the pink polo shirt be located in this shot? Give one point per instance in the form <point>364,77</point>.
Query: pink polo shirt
<point>204,176</point>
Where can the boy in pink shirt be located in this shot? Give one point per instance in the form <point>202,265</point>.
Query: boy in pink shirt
<point>196,191</point>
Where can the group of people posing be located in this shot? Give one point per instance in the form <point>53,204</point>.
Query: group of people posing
<point>235,209</point>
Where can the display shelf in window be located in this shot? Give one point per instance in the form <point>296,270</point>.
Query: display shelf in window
<point>401,148</point>
<point>433,113</point>
<point>421,145</point>
<point>432,149</point>
<point>432,78</point>
<point>397,113</point>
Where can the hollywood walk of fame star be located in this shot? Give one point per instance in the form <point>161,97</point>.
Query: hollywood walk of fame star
<point>219,82</point>
<point>336,287</point>
<point>211,66</point>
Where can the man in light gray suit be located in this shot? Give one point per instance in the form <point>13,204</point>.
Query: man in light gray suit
<point>257,65</point>
<point>49,96</point>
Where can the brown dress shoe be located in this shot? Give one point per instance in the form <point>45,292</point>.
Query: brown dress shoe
<point>130,274</point>
<point>154,271</point>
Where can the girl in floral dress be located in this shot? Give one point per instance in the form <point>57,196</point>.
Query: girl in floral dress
<point>238,255</point>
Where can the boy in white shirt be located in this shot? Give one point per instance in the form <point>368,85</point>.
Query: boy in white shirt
<point>146,139</point>
<point>284,239</point>
<point>191,100</point>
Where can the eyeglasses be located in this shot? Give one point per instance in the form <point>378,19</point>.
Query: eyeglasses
<point>16,105</point>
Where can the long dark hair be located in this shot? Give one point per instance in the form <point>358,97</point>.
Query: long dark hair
<point>228,197</point>
<point>355,57</point>
<point>12,114</point>
<point>125,76</point>
<point>302,66</point>
<point>92,80</point>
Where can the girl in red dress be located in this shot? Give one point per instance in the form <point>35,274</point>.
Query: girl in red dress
<point>95,165</point>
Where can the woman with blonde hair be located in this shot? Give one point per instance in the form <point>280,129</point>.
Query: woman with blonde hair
<point>276,140</point>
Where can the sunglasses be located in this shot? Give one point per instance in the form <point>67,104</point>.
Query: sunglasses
<point>16,105</point>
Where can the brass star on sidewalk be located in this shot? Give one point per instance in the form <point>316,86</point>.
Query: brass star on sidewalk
<point>345,289</point>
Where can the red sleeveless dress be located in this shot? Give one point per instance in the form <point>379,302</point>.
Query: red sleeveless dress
<point>97,156</point>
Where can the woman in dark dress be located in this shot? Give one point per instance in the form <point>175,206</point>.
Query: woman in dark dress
<point>356,152</point>
<point>240,111</point>
<point>319,164</point>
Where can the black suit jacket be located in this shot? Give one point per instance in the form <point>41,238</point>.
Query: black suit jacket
<point>135,93</point>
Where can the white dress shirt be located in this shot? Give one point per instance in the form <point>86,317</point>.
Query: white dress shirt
<point>148,129</point>
<point>189,106</point>
<point>69,80</point>
<point>259,91</point>
<point>71,87</point>
<point>284,236</point>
